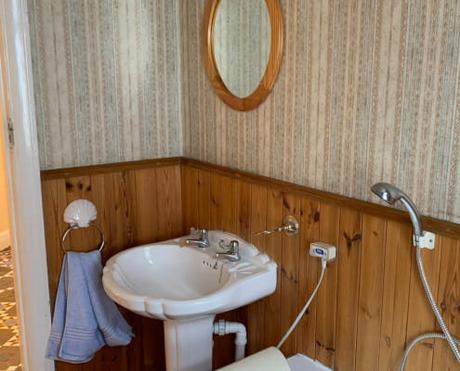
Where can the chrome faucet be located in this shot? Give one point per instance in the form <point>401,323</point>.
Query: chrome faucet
<point>202,241</point>
<point>233,251</point>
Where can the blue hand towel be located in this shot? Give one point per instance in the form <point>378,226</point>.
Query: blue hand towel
<point>85,319</point>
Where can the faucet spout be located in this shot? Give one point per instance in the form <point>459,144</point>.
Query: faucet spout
<point>202,241</point>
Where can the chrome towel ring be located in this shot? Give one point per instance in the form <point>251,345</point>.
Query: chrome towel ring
<point>74,227</point>
<point>80,214</point>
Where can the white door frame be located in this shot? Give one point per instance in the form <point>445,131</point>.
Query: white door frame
<point>23,171</point>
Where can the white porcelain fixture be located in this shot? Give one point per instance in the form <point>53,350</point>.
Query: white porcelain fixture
<point>80,213</point>
<point>186,287</point>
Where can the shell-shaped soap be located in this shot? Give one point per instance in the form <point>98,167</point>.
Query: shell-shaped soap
<point>80,213</point>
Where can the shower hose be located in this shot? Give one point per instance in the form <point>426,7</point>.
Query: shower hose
<point>305,307</point>
<point>453,343</point>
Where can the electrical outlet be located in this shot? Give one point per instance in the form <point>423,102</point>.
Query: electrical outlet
<point>323,250</point>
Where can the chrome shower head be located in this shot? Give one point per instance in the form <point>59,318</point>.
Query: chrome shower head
<point>387,192</point>
<point>391,194</point>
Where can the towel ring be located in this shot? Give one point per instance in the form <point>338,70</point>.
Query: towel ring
<point>74,227</point>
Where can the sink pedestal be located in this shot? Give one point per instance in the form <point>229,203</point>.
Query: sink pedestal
<point>188,344</point>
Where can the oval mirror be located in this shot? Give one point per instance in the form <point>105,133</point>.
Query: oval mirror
<point>243,49</point>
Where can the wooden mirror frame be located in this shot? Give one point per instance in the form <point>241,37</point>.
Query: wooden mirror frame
<point>273,66</point>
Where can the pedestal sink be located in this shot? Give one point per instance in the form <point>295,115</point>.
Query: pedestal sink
<point>186,287</point>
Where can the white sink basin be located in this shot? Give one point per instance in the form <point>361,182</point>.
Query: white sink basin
<point>187,287</point>
<point>167,281</point>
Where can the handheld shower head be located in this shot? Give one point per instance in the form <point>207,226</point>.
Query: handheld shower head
<point>387,192</point>
<point>391,194</point>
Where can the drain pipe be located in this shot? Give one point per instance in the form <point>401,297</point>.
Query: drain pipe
<point>223,327</point>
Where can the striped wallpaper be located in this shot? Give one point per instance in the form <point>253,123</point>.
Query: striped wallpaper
<point>368,91</point>
<point>107,80</point>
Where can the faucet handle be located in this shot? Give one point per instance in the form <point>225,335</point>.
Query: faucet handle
<point>232,253</point>
<point>232,247</point>
<point>198,232</point>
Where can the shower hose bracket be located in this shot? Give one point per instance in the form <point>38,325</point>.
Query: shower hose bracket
<point>426,241</point>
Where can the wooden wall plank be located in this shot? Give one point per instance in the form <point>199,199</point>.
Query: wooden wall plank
<point>80,240</point>
<point>243,213</point>
<point>308,276</point>
<point>272,320</point>
<point>223,216</point>
<point>109,196</point>
<point>327,294</point>
<point>289,268</point>
<point>143,202</point>
<point>204,206</point>
<point>258,215</point>
<point>55,201</point>
<point>348,264</point>
<point>168,199</point>
<point>370,293</point>
<point>424,321</point>
<point>223,210</point>
<point>396,289</point>
<point>449,301</point>
<point>189,185</point>
<point>257,223</point>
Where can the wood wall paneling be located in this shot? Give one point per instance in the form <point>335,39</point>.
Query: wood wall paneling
<point>370,292</point>
<point>424,320</point>
<point>449,299</point>
<point>370,304</point>
<point>327,294</point>
<point>395,303</point>
<point>257,222</point>
<point>308,276</point>
<point>289,272</point>
<point>272,317</point>
<point>349,256</point>
<point>134,207</point>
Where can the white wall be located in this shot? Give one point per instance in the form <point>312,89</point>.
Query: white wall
<point>4,220</point>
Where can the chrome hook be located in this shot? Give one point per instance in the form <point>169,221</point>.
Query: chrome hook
<point>290,227</point>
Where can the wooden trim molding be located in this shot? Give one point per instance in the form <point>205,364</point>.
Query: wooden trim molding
<point>443,227</point>
<point>274,61</point>
<point>108,168</point>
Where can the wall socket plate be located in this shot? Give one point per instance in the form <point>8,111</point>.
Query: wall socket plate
<point>323,250</point>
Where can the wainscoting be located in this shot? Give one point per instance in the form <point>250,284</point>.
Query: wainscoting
<point>137,203</point>
<point>370,304</point>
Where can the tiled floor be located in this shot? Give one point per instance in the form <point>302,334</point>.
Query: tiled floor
<point>9,333</point>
